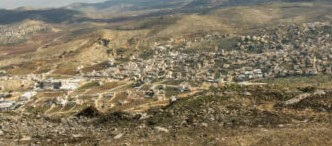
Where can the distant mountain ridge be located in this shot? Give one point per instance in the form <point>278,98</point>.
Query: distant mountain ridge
<point>46,15</point>
<point>133,5</point>
<point>115,10</point>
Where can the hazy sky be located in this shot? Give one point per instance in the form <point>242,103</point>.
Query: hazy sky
<point>9,4</point>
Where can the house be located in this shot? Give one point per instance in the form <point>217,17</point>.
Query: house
<point>108,95</point>
<point>311,71</point>
<point>49,85</point>
<point>6,105</point>
<point>150,93</point>
<point>68,84</point>
<point>328,70</point>
<point>185,86</point>
<point>28,95</point>
<point>5,95</point>
<point>241,77</point>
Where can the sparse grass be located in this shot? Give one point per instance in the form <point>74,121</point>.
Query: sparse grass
<point>50,94</point>
<point>319,81</point>
<point>59,76</point>
<point>172,91</point>
<point>172,82</point>
<point>89,85</point>
<point>96,67</point>
<point>146,54</point>
<point>109,85</point>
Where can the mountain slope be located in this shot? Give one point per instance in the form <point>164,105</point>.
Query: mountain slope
<point>47,15</point>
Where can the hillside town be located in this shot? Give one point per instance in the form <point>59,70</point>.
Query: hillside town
<point>289,50</point>
<point>304,50</point>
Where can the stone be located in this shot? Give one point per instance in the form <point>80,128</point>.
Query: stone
<point>118,136</point>
<point>173,99</point>
<point>319,92</point>
<point>144,116</point>
<point>297,99</point>
<point>26,138</point>
<point>280,125</point>
<point>2,133</point>
<point>77,135</point>
<point>204,124</point>
<point>161,129</point>
<point>247,93</point>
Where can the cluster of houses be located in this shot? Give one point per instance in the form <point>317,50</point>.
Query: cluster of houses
<point>6,103</point>
<point>289,50</point>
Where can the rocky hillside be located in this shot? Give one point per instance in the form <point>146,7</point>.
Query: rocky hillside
<point>11,34</point>
<point>226,115</point>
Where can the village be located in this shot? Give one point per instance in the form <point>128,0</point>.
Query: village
<point>168,70</point>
